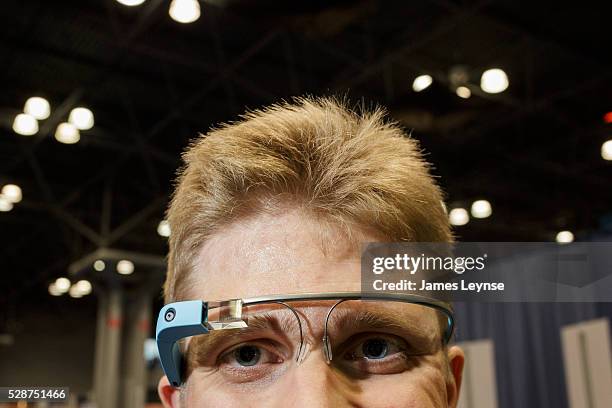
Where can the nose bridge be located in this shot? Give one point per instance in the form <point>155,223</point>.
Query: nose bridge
<point>314,383</point>
<point>311,382</point>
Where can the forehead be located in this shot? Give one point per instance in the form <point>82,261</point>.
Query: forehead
<point>274,253</point>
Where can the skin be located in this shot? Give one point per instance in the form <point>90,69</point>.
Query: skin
<point>290,252</point>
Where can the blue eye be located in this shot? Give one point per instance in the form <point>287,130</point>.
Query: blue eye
<point>375,349</point>
<point>247,355</point>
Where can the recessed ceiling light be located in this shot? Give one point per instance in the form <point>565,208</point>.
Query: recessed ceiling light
<point>463,92</point>
<point>421,82</point>
<point>67,133</point>
<point>494,81</point>
<point>564,237</point>
<point>125,267</point>
<point>81,118</point>
<point>37,107</point>
<point>458,216</point>
<point>481,209</point>
<point>25,125</point>
<point>184,11</point>
<point>12,192</point>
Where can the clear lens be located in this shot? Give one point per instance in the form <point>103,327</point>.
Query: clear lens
<point>364,338</point>
<point>225,315</point>
<point>381,337</point>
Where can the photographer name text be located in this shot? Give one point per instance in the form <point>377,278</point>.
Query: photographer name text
<point>423,285</point>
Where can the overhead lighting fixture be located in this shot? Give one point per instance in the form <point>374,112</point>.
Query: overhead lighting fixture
<point>494,81</point>
<point>481,209</point>
<point>5,204</point>
<point>54,291</point>
<point>81,118</point>
<point>74,292</point>
<point>606,150</point>
<point>25,125</point>
<point>463,92</point>
<point>421,82</point>
<point>62,284</point>
<point>184,11</point>
<point>67,133</point>
<point>37,107</point>
<point>83,287</point>
<point>131,3</point>
<point>99,265</point>
<point>12,193</point>
<point>565,237</point>
<point>125,267</point>
<point>458,216</point>
<point>163,229</point>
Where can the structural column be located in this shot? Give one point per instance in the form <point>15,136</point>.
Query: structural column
<point>134,383</point>
<point>108,348</point>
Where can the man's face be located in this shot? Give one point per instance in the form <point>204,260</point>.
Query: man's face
<point>286,253</point>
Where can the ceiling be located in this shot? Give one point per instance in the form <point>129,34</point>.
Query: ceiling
<point>533,151</point>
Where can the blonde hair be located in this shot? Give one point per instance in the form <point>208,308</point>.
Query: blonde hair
<point>350,166</point>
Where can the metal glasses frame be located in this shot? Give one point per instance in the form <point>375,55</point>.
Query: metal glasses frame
<point>190,318</point>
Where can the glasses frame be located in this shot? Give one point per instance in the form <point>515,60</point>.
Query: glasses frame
<point>178,320</point>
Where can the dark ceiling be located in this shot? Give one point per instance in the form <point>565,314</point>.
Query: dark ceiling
<point>533,151</point>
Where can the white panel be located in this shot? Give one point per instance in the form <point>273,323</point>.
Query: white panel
<point>588,364</point>
<point>479,388</point>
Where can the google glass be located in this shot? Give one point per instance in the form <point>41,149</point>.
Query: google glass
<point>363,312</point>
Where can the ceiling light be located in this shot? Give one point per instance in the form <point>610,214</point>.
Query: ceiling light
<point>564,237</point>
<point>67,133</point>
<point>81,118</point>
<point>458,216</point>
<point>606,150</point>
<point>184,11</point>
<point>421,82</point>
<point>131,3</point>
<point>62,284</point>
<point>481,209</point>
<point>84,287</point>
<point>25,125</point>
<point>74,292</point>
<point>494,81</point>
<point>163,229</point>
<point>125,267</point>
<point>5,204</point>
<point>37,107</point>
<point>463,92</point>
<point>99,265</point>
<point>54,291</point>
<point>12,193</point>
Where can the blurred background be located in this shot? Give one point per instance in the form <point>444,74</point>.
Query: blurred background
<point>512,101</point>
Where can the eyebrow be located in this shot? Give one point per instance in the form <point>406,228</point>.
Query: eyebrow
<point>343,320</point>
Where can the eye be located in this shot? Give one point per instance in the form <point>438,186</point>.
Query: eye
<point>248,355</point>
<point>375,349</point>
<point>375,354</point>
<point>251,362</point>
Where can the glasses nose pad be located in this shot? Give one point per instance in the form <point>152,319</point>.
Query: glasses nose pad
<point>327,350</point>
<point>302,353</point>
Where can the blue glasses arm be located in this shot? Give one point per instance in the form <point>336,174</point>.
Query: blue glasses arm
<point>176,321</point>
